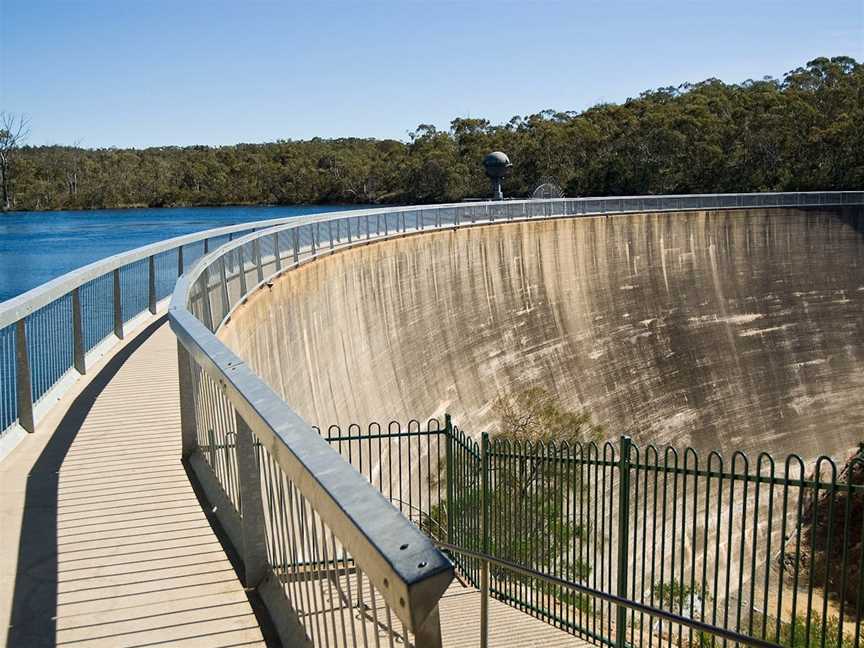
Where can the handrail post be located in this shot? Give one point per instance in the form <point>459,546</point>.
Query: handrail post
<point>205,295</point>
<point>484,534</point>
<point>429,634</point>
<point>179,260</point>
<point>241,264</point>
<point>448,432</point>
<point>223,283</point>
<point>252,508</point>
<point>623,533</point>
<point>151,282</point>
<point>118,306</point>
<point>295,240</point>
<point>23,382</point>
<point>188,433</point>
<point>79,358</point>
<point>277,256</point>
<point>256,253</point>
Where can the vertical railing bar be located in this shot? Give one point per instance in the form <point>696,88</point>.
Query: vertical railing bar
<point>484,534</point>
<point>151,283</point>
<point>118,305</point>
<point>23,378</point>
<point>623,538</point>
<point>251,507</point>
<point>79,353</point>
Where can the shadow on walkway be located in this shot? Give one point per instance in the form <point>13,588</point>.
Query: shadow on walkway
<point>33,622</point>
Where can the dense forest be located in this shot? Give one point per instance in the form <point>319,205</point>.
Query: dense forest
<point>803,132</point>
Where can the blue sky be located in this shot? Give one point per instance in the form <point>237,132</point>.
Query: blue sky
<point>151,72</point>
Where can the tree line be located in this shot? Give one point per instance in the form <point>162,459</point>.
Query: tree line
<point>802,132</point>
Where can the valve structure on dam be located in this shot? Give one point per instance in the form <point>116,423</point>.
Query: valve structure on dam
<point>335,380</point>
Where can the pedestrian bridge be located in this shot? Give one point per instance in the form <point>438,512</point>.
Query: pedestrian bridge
<point>156,491</point>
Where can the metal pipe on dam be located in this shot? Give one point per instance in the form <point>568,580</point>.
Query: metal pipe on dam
<point>727,329</point>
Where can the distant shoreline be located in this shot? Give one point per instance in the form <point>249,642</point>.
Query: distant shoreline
<point>11,212</point>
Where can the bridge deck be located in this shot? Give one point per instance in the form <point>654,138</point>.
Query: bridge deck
<point>103,541</point>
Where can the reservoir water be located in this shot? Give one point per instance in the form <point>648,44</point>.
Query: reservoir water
<point>38,246</point>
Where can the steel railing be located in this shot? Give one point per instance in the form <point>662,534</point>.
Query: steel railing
<point>625,545</point>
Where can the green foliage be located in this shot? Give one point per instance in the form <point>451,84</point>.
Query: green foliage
<point>800,133</point>
<point>532,503</point>
<point>797,634</point>
<point>669,596</point>
<point>534,415</point>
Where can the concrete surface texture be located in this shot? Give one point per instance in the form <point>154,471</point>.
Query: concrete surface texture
<point>728,330</point>
<point>104,542</point>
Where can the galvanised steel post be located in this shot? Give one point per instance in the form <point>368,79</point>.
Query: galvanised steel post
<point>448,432</point>
<point>428,635</point>
<point>276,253</point>
<point>223,272</point>
<point>242,265</point>
<point>252,508</point>
<point>205,296</point>
<point>78,352</point>
<point>295,239</point>
<point>623,533</point>
<point>23,383</point>
<point>151,283</point>
<point>188,436</point>
<point>484,534</point>
<point>206,245</point>
<point>179,260</point>
<point>118,306</point>
<point>256,253</point>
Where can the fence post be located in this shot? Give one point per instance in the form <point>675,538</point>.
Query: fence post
<point>252,509</point>
<point>118,306</point>
<point>484,534</point>
<point>188,435</point>
<point>78,352</point>
<point>23,382</point>
<point>151,283</point>
<point>623,534</point>
<point>448,431</point>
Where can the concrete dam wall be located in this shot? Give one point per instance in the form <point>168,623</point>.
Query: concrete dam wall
<point>727,330</point>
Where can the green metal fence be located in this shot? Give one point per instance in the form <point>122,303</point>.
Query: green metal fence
<point>629,545</point>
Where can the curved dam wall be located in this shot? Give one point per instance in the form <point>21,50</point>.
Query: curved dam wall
<point>727,330</point>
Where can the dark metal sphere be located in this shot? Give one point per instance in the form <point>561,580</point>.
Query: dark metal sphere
<point>497,165</point>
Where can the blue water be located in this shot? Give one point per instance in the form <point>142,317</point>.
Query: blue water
<point>38,246</point>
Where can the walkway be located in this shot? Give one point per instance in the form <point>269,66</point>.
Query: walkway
<point>103,542</point>
<point>116,550</point>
